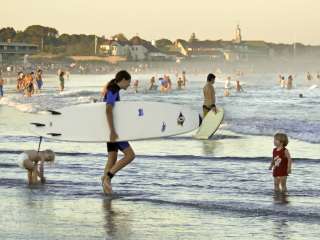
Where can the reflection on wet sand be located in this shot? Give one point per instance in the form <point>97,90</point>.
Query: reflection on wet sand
<point>117,222</point>
<point>209,146</point>
<point>281,198</point>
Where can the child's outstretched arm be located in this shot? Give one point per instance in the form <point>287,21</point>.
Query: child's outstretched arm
<point>271,164</point>
<point>288,156</point>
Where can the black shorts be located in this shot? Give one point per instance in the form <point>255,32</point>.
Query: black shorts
<point>116,146</point>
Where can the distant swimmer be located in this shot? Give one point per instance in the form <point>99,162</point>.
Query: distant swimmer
<point>239,86</point>
<point>318,76</point>
<point>152,84</point>
<point>209,103</point>
<point>283,82</point>
<point>227,86</point>
<point>136,85</point>
<point>20,82</point>
<point>300,95</point>
<point>169,82</point>
<point>279,79</point>
<point>289,82</point>
<point>281,163</point>
<point>29,84</point>
<point>309,76</point>
<point>1,86</point>
<point>33,161</point>
<point>184,79</point>
<point>179,83</point>
<point>39,80</point>
<point>165,84</point>
<point>61,80</point>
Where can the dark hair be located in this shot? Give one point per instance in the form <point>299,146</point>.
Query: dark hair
<point>211,77</point>
<point>61,74</point>
<point>119,77</point>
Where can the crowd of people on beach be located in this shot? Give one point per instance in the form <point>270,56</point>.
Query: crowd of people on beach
<point>286,83</point>
<point>30,83</point>
<point>33,161</point>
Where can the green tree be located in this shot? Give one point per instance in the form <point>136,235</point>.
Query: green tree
<point>7,33</point>
<point>121,37</point>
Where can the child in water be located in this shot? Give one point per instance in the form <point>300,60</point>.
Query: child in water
<point>281,163</point>
<point>33,162</point>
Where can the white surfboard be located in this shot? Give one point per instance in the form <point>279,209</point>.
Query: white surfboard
<point>132,120</point>
<point>313,87</point>
<point>210,124</point>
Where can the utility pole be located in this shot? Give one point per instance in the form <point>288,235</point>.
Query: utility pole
<point>95,44</point>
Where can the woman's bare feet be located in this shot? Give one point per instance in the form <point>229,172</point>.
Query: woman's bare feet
<point>106,185</point>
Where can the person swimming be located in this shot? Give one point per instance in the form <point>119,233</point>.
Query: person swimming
<point>282,82</point>
<point>152,84</point>
<point>179,83</point>
<point>184,79</point>
<point>289,82</point>
<point>239,86</point>
<point>39,80</point>
<point>227,86</point>
<point>29,84</point>
<point>309,76</point>
<point>1,86</point>
<point>33,161</point>
<point>61,80</point>
<point>165,84</point>
<point>136,85</point>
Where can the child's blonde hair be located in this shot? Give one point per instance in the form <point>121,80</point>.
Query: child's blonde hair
<point>49,155</point>
<point>283,138</point>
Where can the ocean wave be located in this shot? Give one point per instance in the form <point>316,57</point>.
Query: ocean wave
<point>41,102</point>
<point>176,157</point>
<point>304,130</point>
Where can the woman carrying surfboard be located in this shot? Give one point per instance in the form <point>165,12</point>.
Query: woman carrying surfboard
<point>121,81</point>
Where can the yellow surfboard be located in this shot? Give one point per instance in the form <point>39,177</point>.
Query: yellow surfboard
<point>210,124</point>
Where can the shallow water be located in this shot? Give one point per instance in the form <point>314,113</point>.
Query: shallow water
<point>177,188</point>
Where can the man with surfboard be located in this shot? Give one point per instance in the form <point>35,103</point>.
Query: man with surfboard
<point>209,95</point>
<point>121,81</point>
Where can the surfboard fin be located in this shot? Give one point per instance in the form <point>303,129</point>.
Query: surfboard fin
<point>200,120</point>
<point>54,134</point>
<point>38,124</point>
<point>54,112</point>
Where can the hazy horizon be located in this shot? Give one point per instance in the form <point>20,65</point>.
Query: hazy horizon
<point>273,21</point>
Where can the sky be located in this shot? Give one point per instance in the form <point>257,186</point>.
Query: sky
<point>284,21</point>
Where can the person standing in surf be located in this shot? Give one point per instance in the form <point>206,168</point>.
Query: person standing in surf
<point>121,81</point>
<point>1,86</point>
<point>209,95</point>
<point>281,163</point>
<point>61,80</point>
<point>39,80</point>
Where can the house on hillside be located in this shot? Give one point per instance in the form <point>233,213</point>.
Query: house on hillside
<point>201,50</point>
<point>114,47</point>
<point>138,49</point>
<point>135,49</point>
